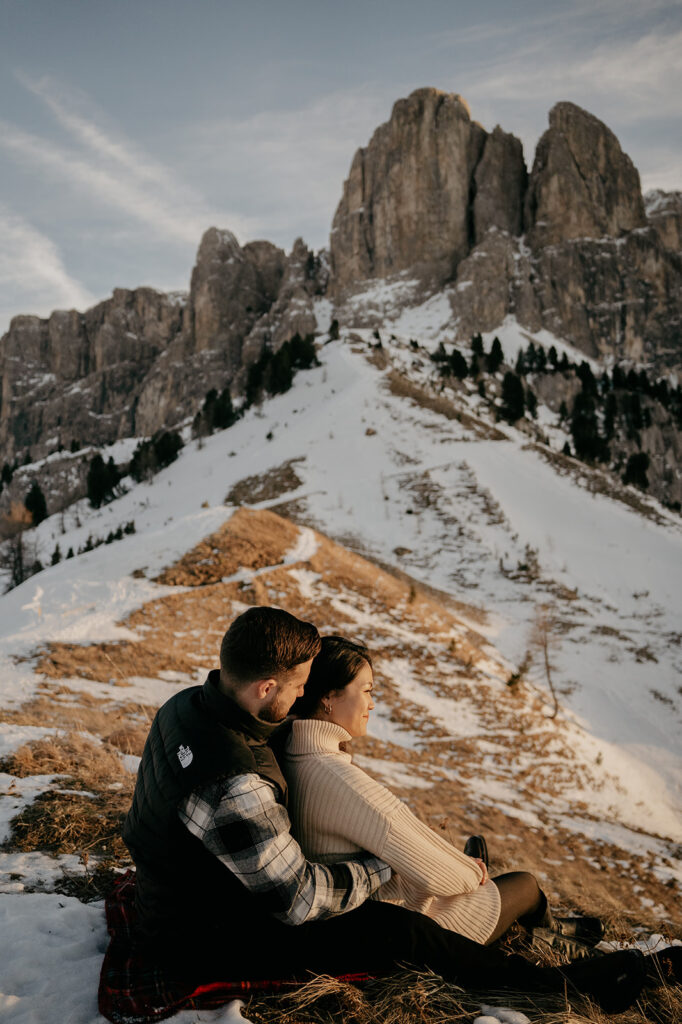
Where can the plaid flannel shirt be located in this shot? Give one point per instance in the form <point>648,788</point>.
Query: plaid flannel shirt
<point>240,822</point>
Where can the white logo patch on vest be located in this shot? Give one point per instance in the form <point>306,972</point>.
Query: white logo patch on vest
<point>185,756</point>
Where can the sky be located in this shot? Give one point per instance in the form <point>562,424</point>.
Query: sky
<point>128,127</point>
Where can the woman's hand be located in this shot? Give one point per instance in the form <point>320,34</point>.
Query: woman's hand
<point>483,868</point>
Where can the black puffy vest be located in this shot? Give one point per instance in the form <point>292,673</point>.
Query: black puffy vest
<point>197,737</point>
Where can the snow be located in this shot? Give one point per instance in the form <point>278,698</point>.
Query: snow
<point>304,549</point>
<point>501,1014</point>
<point>513,338</point>
<point>15,795</point>
<point>51,950</point>
<point>456,718</point>
<point>463,513</point>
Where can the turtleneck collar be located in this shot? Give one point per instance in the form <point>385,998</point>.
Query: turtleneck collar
<point>310,736</point>
<point>230,714</point>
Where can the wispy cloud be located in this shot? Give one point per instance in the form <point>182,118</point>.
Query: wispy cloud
<point>646,70</point>
<point>112,171</point>
<point>33,271</point>
<point>297,159</point>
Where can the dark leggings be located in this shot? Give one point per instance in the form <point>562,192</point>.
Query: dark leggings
<point>380,937</point>
<point>520,896</point>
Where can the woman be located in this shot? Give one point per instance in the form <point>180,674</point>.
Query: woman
<point>337,809</point>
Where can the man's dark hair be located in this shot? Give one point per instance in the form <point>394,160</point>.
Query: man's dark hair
<point>265,642</point>
<point>337,665</point>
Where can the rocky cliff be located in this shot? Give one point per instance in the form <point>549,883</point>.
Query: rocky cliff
<point>426,189</point>
<point>569,247</point>
<point>433,198</point>
<point>142,360</point>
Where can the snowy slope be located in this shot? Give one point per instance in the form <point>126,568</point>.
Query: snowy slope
<point>432,496</point>
<point>460,511</point>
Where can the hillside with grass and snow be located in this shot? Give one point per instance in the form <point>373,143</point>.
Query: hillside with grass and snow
<point>523,607</point>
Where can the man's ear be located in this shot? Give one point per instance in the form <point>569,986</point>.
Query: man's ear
<point>264,687</point>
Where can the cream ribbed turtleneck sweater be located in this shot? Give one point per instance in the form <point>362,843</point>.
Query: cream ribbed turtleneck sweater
<point>337,809</point>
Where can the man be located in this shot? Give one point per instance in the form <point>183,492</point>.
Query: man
<point>223,891</point>
<point>208,828</point>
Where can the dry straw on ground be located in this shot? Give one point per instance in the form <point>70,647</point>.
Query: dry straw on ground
<point>424,998</point>
<point>82,811</point>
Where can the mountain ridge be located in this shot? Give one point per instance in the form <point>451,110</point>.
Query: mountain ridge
<point>433,206</point>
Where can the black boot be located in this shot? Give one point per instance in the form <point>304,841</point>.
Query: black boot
<point>613,980</point>
<point>575,936</point>
<point>476,846</point>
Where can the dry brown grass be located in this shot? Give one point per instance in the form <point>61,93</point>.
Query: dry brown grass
<point>84,809</point>
<point>250,540</point>
<point>114,664</point>
<point>66,709</point>
<point>412,997</point>
<point>403,387</point>
<point>264,486</point>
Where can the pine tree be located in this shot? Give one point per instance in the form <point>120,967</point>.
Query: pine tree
<point>618,378</point>
<point>553,357</point>
<point>632,410</point>
<point>585,430</point>
<point>513,400</point>
<point>281,373</point>
<point>495,356</point>
<point>56,555</point>
<point>635,471</point>
<point>610,413</point>
<point>254,379</point>
<point>223,414</point>
<point>102,480</point>
<point>458,364</point>
<point>166,447</point>
<point>35,503</point>
<point>477,345</point>
<point>531,403</point>
<point>632,380</point>
<point>302,352</point>
<point>586,376</point>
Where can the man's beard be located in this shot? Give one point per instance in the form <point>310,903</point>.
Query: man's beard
<point>274,711</point>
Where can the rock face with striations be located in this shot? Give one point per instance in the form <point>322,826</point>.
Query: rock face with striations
<point>74,376</point>
<point>423,190</point>
<point>434,201</point>
<point>143,361</point>
<point>231,288</point>
<point>582,184</point>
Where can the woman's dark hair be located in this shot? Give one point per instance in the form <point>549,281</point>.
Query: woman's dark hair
<point>337,665</point>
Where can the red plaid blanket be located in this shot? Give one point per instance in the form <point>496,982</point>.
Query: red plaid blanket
<point>132,990</point>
